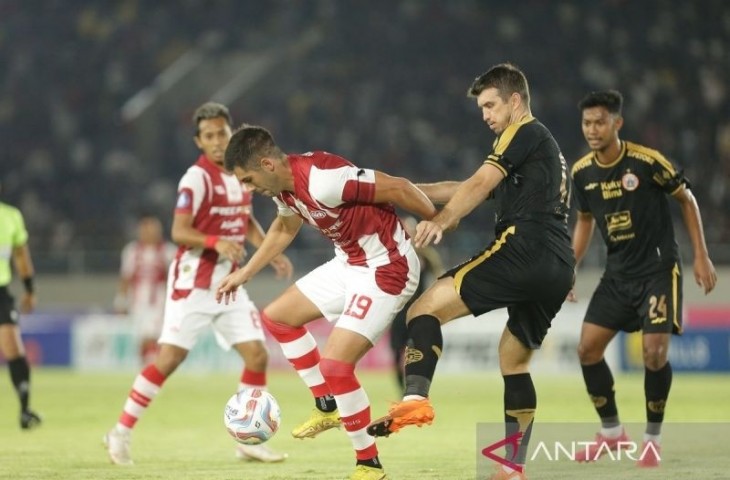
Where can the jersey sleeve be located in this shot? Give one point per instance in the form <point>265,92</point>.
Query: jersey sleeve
<point>190,192</point>
<point>666,176</point>
<point>346,184</point>
<point>20,235</point>
<point>282,209</point>
<point>579,195</point>
<point>513,147</point>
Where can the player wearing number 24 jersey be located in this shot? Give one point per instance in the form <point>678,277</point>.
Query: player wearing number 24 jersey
<point>373,274</point>
<point>623,188</point>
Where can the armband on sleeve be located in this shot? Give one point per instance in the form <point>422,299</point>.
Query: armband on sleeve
<point>503,164</point>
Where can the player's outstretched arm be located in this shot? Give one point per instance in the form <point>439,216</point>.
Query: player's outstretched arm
<point>704,270</point>
<point>280,235</point>
<point>402,193</point>
<point>441,192</point>
<point>467,196</point>
<point>281,263</point>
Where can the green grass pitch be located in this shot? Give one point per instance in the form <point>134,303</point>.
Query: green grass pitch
<point>181,436</point>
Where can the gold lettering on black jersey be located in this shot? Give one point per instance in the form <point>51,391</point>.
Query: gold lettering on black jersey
<point>617,223</point>
<point>611,189</point>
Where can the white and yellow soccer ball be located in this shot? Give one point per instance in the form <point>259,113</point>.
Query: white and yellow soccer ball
<point>252,416</point>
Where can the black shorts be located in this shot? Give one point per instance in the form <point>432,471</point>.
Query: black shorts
<point>652,304</point>
<point>520,273</point>
<point>8,313</point>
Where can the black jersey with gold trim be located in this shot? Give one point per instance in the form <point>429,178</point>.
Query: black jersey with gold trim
<point>535,194</point>
<point>628,200</point>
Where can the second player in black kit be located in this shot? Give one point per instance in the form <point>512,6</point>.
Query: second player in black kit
<point>623,188</point>
<point>628,200</point>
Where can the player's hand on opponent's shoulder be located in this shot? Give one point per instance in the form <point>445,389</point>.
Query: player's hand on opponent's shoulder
<point>282,266</point>
<point>705,274</point>
<point>232,251</point>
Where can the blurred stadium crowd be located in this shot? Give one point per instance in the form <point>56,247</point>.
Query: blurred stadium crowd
<point>384,85</point>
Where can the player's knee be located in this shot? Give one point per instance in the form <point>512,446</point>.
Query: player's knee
<point>655,356</point>
<point>333,370</point>
<point>588,354</point>
<point>169,359</point>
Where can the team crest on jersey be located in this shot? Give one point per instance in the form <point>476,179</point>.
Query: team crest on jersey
<point>183,200</point>
<point>630,182</point>
<point>317,214</point>
<point>219,189</point>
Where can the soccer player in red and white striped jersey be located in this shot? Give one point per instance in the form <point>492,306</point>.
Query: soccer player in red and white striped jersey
<point>211,222</point>
<point>373,274</point>
<point>142,280</point>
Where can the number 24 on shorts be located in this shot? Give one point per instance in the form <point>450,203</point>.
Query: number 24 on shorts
<point>358,306</point>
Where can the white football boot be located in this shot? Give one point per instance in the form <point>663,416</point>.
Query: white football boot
<point>118,445</point>
<point>260,453</point>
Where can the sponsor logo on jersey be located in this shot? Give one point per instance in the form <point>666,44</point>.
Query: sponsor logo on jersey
<point>591,186</point>
<point>227,211</point>
<point>616,221</point>
<point>184,200</point>
<point>232,224</point>
<point>630,182</point>
<point>317,214</point>
<point>611,189</point>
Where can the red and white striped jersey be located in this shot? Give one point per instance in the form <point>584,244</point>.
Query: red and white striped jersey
<point>144,266</point>
<point>334,196</point>
<point>220,206</point>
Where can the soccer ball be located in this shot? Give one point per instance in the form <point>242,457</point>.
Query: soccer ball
<point>252,416</point>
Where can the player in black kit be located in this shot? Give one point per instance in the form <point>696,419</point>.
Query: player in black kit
<point>623,187</point>
<point>528,268</point>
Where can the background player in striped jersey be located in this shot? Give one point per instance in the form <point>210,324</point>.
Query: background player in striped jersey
<point>212,220</point>
<point>374,273</point>
<point>142,280</point>
<point>623,187</point>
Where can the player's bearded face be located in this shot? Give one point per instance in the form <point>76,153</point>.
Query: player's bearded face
<point>600,127</point>
<point>215,133</point>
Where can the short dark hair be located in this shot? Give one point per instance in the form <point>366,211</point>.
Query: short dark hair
<point>611,100</point>
<point>248,144</point>
<point>210,110</point>
<point>505,77</point>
